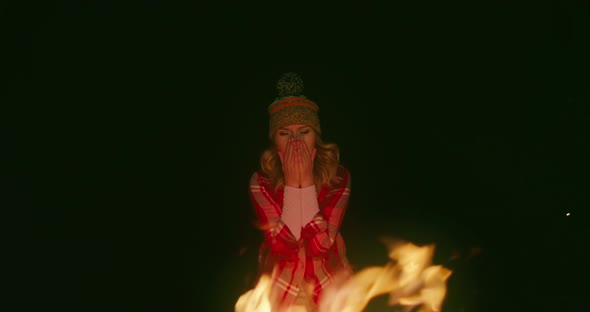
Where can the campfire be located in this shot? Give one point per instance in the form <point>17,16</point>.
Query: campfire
<point>409,279</point>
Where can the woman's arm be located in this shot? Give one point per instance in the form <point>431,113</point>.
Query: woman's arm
<point>268,213</point>
<point>322,230</point>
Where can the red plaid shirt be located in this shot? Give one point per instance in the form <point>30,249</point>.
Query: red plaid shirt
<point>317,255</point>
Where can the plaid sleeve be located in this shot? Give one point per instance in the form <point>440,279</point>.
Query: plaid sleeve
<point>322,230</point>
<point>268,213</point>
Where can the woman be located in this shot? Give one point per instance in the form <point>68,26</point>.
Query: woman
<point>300,195</point>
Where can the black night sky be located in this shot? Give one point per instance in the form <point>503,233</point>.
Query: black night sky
<point>462,125</point>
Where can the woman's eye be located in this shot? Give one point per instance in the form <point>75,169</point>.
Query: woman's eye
<point>304,132</point>
<point>283,133</point>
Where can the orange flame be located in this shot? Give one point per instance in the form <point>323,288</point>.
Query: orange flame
<point>409,279</point>
<point>257,299</point>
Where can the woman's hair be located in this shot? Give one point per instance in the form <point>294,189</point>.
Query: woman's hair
<point>325,166</point>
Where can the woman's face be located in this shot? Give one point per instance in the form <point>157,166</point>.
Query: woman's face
<point>304,132</point>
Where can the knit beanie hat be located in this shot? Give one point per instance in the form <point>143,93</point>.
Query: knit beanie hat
<point>291,106</point>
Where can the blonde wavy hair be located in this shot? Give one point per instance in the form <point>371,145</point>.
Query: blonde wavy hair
<point>325,165</point>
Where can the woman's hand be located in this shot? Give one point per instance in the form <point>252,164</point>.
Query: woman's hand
<point>305,159</point>
<point>290,166</point>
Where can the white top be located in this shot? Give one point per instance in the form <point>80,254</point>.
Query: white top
<point>300,205</point>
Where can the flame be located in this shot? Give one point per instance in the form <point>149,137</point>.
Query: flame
<point>409,279</point>
<point>257,299</point>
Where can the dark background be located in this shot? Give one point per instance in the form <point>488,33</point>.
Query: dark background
<point>139,126</point>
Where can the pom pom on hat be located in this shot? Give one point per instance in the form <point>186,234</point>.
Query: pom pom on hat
<point>290,84</point>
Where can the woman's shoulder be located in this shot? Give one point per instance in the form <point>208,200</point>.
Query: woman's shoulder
<point>258,177</point>
<point>342,177</point>
<point>342,171</point>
